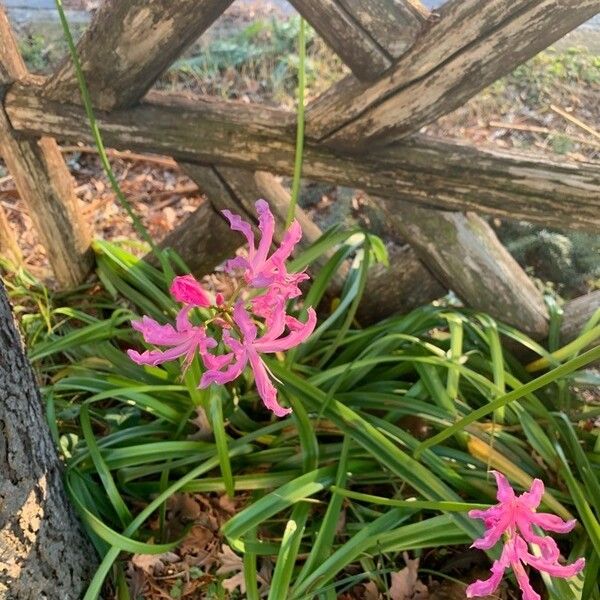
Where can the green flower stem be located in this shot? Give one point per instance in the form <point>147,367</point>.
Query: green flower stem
<point>299,126</point>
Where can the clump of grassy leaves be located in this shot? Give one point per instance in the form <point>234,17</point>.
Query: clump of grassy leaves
<point>412,412</point>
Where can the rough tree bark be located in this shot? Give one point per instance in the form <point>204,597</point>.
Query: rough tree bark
<point>43,552</point>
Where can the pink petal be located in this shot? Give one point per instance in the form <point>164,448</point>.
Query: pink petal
<point>291,237</point>
<point>239,262</point>
<point>218,362</point>
<point>297,335</point>
<point>187,290</point>
<point>182,321</point>
<point>533,497</point>
<point>233,371</point>
<point>243,320</point>
<point>155,333</point>
<point>547,545</point>
<point>157,357</point>
<point>266,389</point>
<point>266,224</point>
<point>237,346</point>
<point>275,319</point>
<point>524,584</point>
<point>493,512</point>
<point>238,224</point>
<point>266,304</point>
<point>488,586</point>
<point>553,568</point>
<point>551,522</point>
<point>505,491</point>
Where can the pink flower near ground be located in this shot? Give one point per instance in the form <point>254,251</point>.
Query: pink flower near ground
<point>513,519</point>
<point>184,340</point>
<point>248,348</point>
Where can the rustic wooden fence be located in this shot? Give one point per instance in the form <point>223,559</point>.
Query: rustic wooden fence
<point>409,66</point>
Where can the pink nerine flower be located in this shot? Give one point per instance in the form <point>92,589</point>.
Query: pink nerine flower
<point>225,368</point>
<point>513,517</point>
<point>260,269</point>
<point>184,340</point>
<point>238,329</point>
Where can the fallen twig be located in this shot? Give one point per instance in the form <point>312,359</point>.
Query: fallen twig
<point>542,130</point>
<point>164,161</point>
<point>575,121</point>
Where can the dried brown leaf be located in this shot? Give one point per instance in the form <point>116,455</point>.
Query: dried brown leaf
<point>371,591</point>
<point>234,582</point>
<point>406,584</point>
<point>154,564</point>
<point>230,561</point>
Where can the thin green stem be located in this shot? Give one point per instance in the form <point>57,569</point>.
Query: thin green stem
<point>299,126</point>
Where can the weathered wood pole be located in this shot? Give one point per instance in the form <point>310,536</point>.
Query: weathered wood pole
<point>9,248</point>
<point>43,181</point>
<point>43,550</point>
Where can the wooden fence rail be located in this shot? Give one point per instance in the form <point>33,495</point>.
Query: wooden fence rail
<point>408,67</point>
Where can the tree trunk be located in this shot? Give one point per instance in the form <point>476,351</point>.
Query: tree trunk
<point>44,553</point>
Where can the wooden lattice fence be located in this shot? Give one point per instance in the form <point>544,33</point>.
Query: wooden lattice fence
<point>409,66</point>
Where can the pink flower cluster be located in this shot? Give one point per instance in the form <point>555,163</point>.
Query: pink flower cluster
<point>514,517</point>
<point>253,322</point>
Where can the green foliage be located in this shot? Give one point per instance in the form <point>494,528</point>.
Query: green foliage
<point>34,52</point>
<point>364,400</point>
<point>549,75</point>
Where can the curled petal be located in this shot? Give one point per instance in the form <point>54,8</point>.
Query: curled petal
<point>244,322</point>
<point>155,333</point>
<point>505,492</point>
<point>239,262</point>
<point>233,371</point>
<point>486,587</point>
<point>266,389</point>
<point>524,584</point>
<point>493,533</point>
<point>298,333</point>
<point>157,357</point>
<point>492,513</point>
<point>182,321</point>
<point>238,224</point>
<point>187,289</point>
<point>291,237</point>
<point>552,522</point>
<point>533,497</point>
<point>266,225</point>
<point>553,568</point>
<point>218,362</point>
<point>547,545</point>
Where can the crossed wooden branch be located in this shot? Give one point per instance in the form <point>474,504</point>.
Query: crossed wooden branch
<point>408,68</point>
